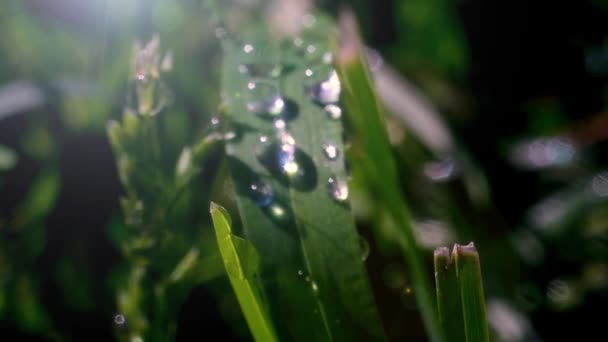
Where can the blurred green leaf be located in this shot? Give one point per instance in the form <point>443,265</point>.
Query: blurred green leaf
<point>366,116</point>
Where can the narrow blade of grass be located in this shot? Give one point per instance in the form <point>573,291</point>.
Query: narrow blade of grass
<point>468,271</point>
<point>366,117</point>
<point>313,277</point>
<point>448,296</point>
<point>241,262</point>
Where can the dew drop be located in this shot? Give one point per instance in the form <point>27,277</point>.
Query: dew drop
<point>327,58</point>
<point>263,139</point>
<point>287,155</point>
<point>119,319</point>
<point>325,91</point>
<point>314,286</point>
<point>297,42</point>
<point>277,212</point>
<point>300,273</point>
<point>333,111</point>
<point>279,124</point>
<point>262,194</point>
<point>364,247</point>
<point>338,189</point>
<point>311,49</point>
<point>215,121</point>
<point>331,151</point>
<point>248,48</point>
<point>264,99</point>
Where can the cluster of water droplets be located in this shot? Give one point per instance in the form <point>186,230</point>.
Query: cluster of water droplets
<point>264,99</point>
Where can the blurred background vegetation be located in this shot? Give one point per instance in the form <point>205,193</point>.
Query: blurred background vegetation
<point>522,87</point>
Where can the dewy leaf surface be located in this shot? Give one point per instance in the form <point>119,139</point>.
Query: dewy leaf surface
<point>286,159</point>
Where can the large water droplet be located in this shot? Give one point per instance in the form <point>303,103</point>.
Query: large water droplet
<point>323,88</point>
<point>119,319</point>
<point>333,111</point>
<point>287,155</point>
<point>264,99</point>
<point>331,151</point>
<point>261,193</point>
<point>285,160</point>
<point>338,189</point>
<point>261,70</point>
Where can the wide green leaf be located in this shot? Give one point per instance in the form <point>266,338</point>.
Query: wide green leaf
<point>288,170</point>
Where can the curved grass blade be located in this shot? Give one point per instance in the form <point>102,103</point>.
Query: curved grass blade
<point>366,117</point>
<point>312,273</point>
<point>241,262</point>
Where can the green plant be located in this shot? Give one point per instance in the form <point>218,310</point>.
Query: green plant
<point>293,255</point>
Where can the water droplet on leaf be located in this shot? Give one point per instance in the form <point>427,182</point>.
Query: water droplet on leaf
<point>326,90</point>
<point>333,111</point>
<point>331,151</point>
<point>248,48</point>
<point>262,194</point>
<point>264,99</point>
<point>338,189</point>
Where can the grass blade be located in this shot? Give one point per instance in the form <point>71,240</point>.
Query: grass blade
<point>449,304</point>
<point>366,116</point>
<point>468,271</point>
<point>313,277</point>
<point>241,262</point>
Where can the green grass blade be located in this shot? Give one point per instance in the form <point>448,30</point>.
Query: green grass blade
<point>366,117</point>
<point>241,262</point>
<point>447,289</point>
<point>313,277</point>
<point>468,271</point>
